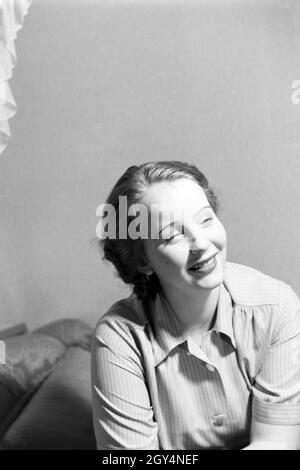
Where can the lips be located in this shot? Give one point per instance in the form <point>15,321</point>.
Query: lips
<point>202,263</point>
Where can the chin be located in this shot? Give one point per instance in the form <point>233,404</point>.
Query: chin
<point>210,281</point>
<point>209,285</point>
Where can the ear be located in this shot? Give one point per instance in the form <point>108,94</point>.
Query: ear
<point>145,267</point>
<point>146,270</point>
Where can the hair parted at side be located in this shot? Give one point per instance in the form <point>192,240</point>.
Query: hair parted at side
<point>127,255</point>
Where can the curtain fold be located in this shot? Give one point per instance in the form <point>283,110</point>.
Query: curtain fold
<point>12,13</point>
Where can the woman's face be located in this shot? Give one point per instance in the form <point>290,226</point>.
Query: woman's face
<point>190,252</point>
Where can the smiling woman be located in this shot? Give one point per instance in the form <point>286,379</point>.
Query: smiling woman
<point>203,353</point>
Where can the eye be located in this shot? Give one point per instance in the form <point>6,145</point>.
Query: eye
<point>205,216</point>
<point>206,219</point>
<point>176,236</point>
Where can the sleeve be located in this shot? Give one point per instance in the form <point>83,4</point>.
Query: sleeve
<point>122,412</point>
<point>276,391</point>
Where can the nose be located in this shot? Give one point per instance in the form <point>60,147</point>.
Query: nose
<point>198,242</point>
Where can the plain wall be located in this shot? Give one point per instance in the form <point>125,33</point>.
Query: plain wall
<point>101,85</point>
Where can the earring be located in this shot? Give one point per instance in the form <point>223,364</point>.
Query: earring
<point>194,251</point>
<point>148,276</point>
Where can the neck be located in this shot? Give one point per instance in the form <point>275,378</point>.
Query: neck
<point>194,309</point>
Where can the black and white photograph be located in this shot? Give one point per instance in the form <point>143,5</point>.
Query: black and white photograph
<point>149,227</point>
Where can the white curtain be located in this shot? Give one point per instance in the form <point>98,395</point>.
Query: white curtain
<point>12,13</point>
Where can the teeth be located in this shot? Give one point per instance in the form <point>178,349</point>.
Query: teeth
<point>198,266</point>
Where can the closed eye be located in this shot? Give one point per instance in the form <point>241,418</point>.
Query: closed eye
<point>173,237</point>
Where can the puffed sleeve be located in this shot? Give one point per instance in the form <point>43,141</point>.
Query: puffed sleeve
<point>276,391</point>
<point>122,412</point>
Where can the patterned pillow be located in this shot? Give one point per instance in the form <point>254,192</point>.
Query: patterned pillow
<point>59,416</point>
<point>70,331</point>
<point>30,358</point>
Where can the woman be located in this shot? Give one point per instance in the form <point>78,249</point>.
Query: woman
<point>204,354</point>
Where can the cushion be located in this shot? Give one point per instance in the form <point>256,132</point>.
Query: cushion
<point>59,416</point>
<point>14,330</point>
<point>30,358</point>
<point>71,331</point>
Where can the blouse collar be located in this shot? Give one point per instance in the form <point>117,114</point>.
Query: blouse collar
<point>168,331</point>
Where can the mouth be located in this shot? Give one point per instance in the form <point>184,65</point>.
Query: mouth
<point>204,265</point>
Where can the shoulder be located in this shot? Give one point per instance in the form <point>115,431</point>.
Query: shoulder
<point>266,311</point>
<point>262,303</point>
<point>119,343</point>
<point>121,323</point>
<point>249,286</point>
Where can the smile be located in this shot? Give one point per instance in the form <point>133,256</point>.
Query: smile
<point>205,266</point>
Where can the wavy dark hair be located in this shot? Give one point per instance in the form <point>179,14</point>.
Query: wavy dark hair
<point>127,255</point>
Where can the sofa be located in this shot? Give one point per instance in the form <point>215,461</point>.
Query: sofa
<point>45,389</point>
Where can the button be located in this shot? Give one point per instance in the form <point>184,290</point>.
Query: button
<point>210,367</point>
<point>218,420</point>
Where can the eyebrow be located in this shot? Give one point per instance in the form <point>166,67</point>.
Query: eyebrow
<point>174,221</point>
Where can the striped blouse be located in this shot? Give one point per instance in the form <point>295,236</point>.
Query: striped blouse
<point>156,389</point>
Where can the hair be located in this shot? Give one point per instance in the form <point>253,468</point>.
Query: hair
<point>127,255</point>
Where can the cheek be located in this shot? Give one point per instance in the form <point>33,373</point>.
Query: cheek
<point>157,258</point>
<point>170,259</point>
<point>220,235</point>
